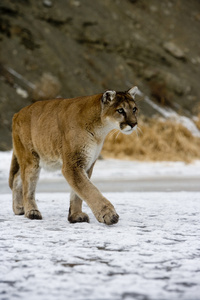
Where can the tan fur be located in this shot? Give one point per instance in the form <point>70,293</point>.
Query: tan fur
<point>67,134</point>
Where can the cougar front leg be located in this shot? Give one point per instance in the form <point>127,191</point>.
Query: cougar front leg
<point>78,179</point>
<point>75,210</point>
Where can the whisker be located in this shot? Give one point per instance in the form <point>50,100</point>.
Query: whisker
<point>117,135</point>
<point>112,132</point>
<point>140,130</point>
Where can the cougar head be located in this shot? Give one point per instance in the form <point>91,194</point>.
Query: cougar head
<point>120,110</point>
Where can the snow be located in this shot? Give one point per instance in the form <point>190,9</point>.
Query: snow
<point>151,253</point>
<point>117,169</point>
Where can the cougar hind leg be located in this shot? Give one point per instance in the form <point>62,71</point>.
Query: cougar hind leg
<point>17,194</point>
<point>15,184</point>
<point>30,175</point>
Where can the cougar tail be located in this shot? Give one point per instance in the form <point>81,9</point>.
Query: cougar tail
<point>14,168</point>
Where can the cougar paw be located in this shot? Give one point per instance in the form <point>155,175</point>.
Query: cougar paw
<point>33,214</point>
<point>78,218</point>
<point>111,219</point>
<point>108,216</point>
<point>19,210</point>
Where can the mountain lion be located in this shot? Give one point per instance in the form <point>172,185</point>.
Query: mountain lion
<point>67,134</point>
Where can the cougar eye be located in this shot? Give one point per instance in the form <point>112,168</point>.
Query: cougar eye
<point>120,111</point>
<point>134,109</point>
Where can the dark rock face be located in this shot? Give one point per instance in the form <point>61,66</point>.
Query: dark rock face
<point>72,48</point>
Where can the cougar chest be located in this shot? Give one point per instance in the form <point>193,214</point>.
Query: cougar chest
<point>92,153</point>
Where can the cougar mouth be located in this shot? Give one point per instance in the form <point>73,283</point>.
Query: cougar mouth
<point>128,129</point>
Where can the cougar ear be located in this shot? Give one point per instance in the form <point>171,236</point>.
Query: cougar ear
<point>133,91</point>
<point>108,97</point>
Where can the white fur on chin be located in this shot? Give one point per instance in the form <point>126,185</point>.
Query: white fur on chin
<point>129,129</point>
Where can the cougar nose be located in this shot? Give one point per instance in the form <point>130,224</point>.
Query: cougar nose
<point>132,124</point>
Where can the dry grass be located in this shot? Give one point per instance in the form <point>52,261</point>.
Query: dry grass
<point>159,141</point>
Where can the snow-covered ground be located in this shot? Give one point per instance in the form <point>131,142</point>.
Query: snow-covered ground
<point>152,253</point>
<point>117,175</point>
